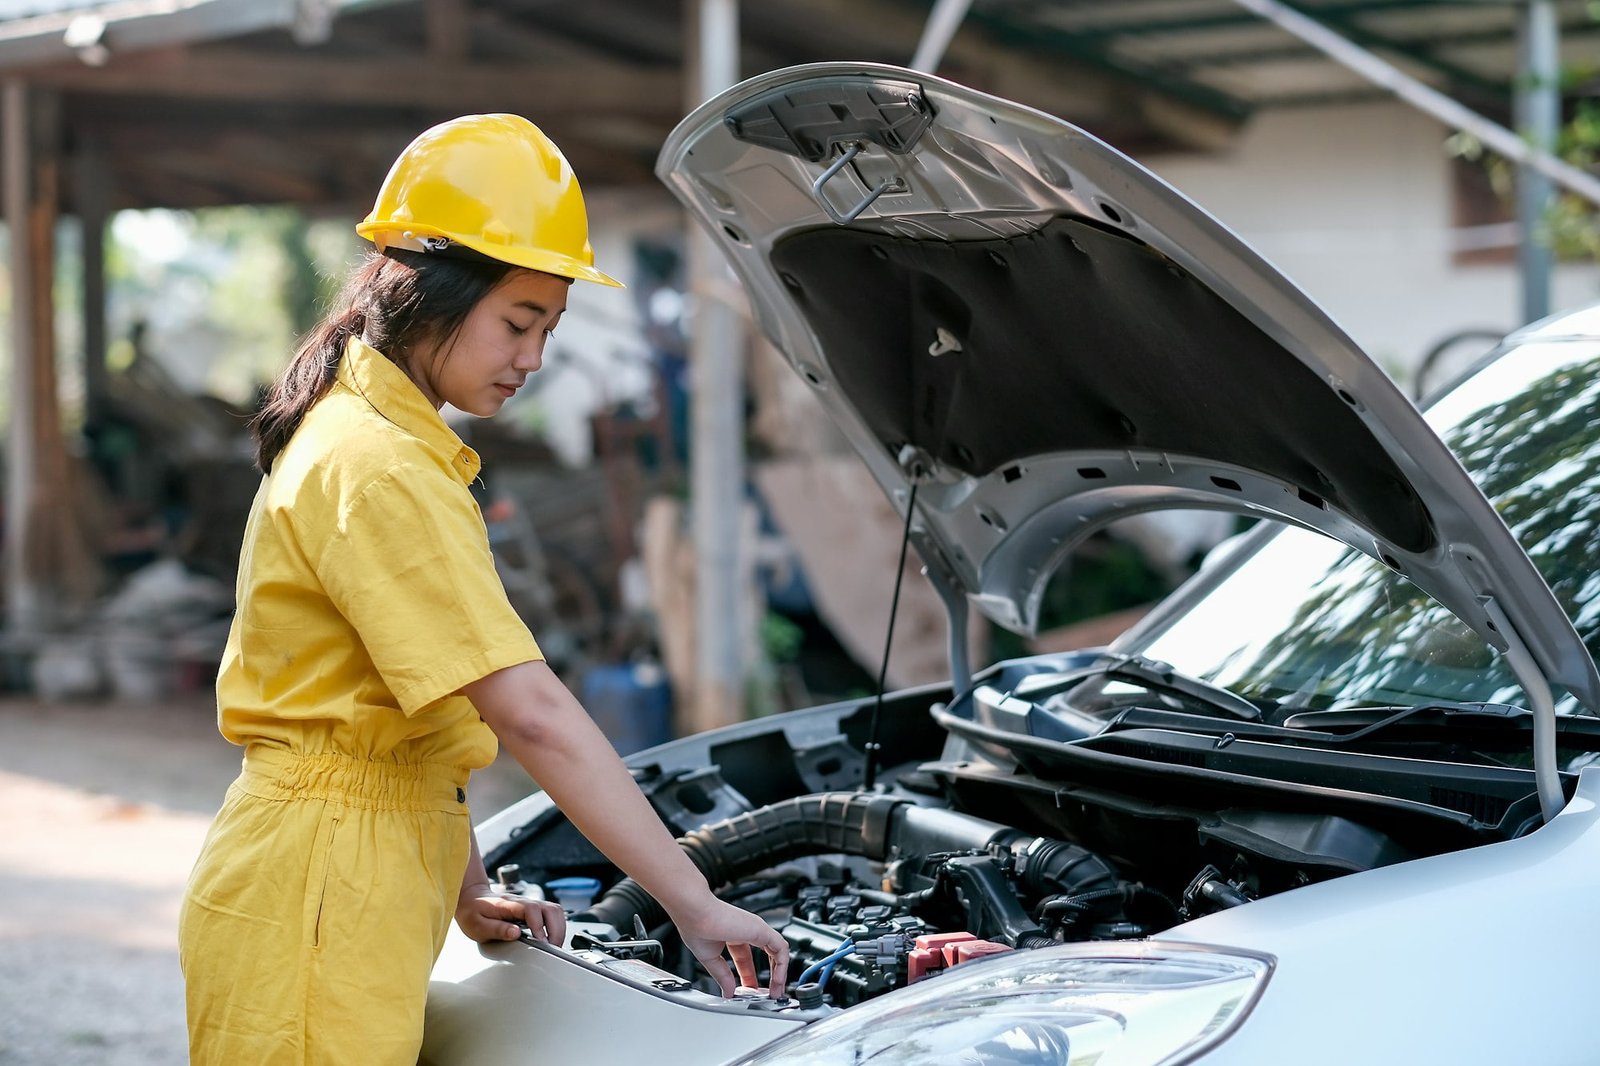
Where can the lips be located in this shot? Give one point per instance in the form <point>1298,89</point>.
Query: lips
<point>506,390</point>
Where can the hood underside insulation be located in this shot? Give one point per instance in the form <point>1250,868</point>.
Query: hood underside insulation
<point>1076,338</point>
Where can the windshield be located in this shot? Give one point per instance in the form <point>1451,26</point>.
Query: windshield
<point>1310,623</point>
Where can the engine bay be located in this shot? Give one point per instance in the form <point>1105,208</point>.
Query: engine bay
<point>978,846</point>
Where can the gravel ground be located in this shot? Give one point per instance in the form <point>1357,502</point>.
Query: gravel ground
<point>102,811</point>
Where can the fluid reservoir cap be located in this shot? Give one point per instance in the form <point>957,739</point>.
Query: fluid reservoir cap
<point>574,893</point>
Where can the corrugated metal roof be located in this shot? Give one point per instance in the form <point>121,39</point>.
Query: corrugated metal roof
<point>1206,47</point>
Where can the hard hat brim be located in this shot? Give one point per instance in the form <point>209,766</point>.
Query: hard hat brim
<point>384,234</point>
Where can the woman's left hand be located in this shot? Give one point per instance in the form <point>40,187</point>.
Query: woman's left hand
<point>485,916</point>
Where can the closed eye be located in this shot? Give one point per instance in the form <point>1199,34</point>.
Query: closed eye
<point>517,330</point>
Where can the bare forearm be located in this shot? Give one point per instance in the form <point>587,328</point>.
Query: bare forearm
<point>547,731</point>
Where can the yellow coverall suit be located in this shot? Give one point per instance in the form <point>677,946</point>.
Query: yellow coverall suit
<point>366,597</point>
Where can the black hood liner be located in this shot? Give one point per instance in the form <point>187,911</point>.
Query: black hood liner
<point>1076,338</point>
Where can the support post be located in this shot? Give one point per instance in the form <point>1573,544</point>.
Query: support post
<point>937,33</point>
<point>22,592</point>
<point>1538,116</point>
<point>48,564</point>
<point>716,475</point>
<point>92,195</point>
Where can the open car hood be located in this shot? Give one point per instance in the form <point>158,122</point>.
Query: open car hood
<point>1046,336</point>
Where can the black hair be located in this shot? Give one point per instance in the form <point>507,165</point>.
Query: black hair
<point>398,301</point>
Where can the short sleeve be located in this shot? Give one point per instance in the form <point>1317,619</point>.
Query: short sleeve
<point>408,565</point>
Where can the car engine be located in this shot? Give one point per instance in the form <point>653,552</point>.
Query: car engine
<point>952,860</point>
<point>908,891</point>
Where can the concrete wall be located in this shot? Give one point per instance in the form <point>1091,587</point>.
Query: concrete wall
<point>1355,204</point>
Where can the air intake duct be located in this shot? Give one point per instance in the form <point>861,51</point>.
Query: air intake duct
<point>860,824</point>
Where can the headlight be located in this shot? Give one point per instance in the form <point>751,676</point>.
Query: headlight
<point>1084,1005</point>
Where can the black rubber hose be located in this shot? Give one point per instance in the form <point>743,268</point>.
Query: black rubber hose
<point>853,823</point>
<point>848,823</point>
<point>1054,867</point>
<point>1082,904</point>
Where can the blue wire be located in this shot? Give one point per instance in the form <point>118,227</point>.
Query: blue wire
<point>827,963</point>
<point>827,969</point>
<point>812,970</point>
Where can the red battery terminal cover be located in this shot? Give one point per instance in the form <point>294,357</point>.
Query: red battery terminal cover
<point>927,954</point>
<point>937,951</point>
<point>973,949</point>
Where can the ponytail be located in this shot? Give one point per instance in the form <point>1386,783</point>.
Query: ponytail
<point>395,301</point>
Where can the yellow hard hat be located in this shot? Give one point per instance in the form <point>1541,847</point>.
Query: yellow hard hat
<point>491,183</point>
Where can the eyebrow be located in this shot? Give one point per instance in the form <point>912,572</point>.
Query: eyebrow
<point>535,308</point>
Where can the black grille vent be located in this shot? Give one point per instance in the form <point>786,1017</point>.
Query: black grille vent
<point>1135,749</point>
<point>1486,809</point>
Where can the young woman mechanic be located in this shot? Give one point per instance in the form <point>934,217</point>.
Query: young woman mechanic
<point>374,659</point>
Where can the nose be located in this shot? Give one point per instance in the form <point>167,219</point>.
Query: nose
<point>531,358</point>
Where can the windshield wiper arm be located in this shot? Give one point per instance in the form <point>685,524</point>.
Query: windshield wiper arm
<point>1389,716</point>
<point>1153,675</point>
<point>1158,675</point>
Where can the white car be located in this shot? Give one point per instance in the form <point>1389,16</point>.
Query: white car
<point>1331,803</point>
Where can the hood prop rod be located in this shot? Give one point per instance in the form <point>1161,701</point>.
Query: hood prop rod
<point>870,777</point>
<point>1546,779</point>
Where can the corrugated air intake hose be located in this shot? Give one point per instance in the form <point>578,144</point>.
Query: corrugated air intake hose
<point>851,823</point>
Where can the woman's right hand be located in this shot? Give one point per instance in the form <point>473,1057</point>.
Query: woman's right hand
<point>709,927</point>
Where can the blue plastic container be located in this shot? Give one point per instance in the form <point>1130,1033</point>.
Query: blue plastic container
<point>630,702</point>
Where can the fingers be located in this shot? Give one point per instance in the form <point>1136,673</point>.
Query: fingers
<point>547,922</point>
<point>738,932</point>
<point>555,922</point>
<point>718,969</point>
<point>744,962</point>
<point>777,950</point>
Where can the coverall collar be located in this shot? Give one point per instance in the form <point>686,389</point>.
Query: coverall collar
<point>369,373</point>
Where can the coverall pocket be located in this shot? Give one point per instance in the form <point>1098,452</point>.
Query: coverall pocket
<point>319,878</point>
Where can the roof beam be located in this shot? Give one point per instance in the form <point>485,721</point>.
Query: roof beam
<point>1461,78</point>
<point>1093,53</point>
<point>1234,19</point>
<point>1098,42</point>
<point>136,25</point>
<point>649,34</point>
<point>1290,51</point>
<point>398,82</point>
<point>449,29</point>
<point>888,30</point>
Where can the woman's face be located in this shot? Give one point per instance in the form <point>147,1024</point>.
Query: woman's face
<point>499,345</point>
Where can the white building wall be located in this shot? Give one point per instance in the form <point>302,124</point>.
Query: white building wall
<point>598,355</point>
<point>1354,204</point>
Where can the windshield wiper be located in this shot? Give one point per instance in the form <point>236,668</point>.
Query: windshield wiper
<point>1322,728</point>
<point>1151,674</point>
<point>1327,728</point>
<point>1370,720</point>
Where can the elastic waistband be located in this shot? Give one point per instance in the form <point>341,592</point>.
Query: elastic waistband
<point>272,772</point>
